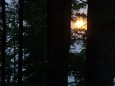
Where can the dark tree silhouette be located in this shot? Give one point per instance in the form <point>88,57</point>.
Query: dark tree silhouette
<point>101,43</point>
<point>3,43</point>
<point>20,42</point>
<point>59,15</point>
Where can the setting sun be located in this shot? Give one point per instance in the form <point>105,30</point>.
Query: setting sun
<point>80,23</point>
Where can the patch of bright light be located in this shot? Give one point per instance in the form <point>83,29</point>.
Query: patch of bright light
<point>79,23</point>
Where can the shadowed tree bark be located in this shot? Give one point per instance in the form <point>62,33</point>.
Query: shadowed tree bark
<point>101,43</point>
<point>59,13</point>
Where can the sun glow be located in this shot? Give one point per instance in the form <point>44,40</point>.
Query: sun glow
<point>79,23</point>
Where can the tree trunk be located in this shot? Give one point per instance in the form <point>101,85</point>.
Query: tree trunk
<point>58,41</point>
<point>101,43</point>
<point>20,59</point>
<point>3,75</point>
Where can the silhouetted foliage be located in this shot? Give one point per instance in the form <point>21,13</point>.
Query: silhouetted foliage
<point>77,65</point>
<point>35,44</point>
